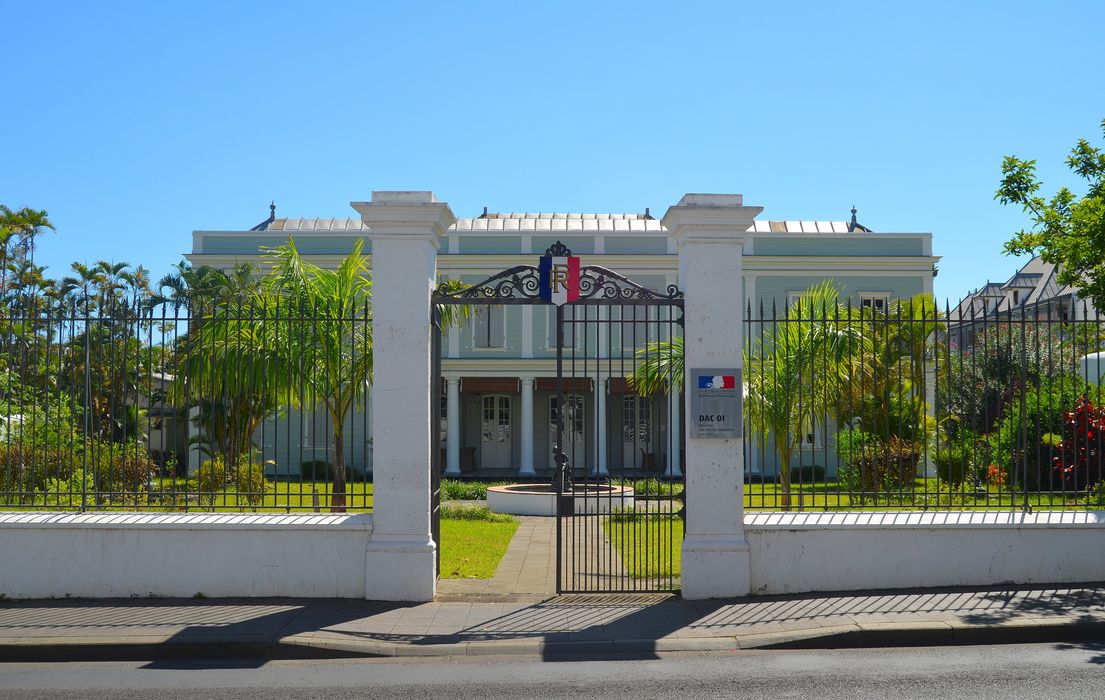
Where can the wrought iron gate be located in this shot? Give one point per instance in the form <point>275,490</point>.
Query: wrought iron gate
<point>614,422</point>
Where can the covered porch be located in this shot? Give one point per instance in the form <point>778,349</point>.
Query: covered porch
<point>505,428</point>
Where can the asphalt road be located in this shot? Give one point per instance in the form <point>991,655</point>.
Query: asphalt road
<point>1010,671</point>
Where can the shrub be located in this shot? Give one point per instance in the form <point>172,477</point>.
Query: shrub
<point>982,385</point>
<point>953,465</point>
<point>211,478</point>
<point>452,490</point>
<point>653,487</point>
<point>1095,495</point>
<point>961,456</point>
<point>626,514</point>
<point>870,465</point>
<point>1023,441</point>
<point>66,493</point>
<point>27,468</point>
<point>1081,459</point>
<point>249,479</point>
<point>807,474</point>
<point>475,513</point>
<point>321,470</point>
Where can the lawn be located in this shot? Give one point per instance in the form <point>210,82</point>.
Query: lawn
<point>473,541</point>
<point>927,493</point>
<point>176,495</point>
<point>649,546</point>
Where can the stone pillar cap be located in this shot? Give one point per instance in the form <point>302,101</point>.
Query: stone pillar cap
<point>693,199</point>
<point>403,197</point>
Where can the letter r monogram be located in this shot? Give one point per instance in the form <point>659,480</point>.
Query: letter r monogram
<point>559,277</point>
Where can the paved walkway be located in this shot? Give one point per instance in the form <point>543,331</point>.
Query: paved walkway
<point>637,625</point>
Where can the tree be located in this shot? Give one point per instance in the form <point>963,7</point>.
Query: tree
<point>1067,231</point>
<point>303,340</point>
<point>798,373</point>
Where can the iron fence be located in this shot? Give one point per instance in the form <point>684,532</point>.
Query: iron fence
<point>906,406</point>
<point>115,406</point>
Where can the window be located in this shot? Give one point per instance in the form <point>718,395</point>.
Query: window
<point>569,331</point>
<point>878,303</point>
<point>489,328</point>
<point>813,437</point>
<point>635,327</point>
<point>1016,296</point>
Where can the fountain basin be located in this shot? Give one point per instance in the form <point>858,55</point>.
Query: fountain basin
<point>540,499</point>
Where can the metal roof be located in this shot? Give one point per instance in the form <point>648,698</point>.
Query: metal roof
<point>552,222</point>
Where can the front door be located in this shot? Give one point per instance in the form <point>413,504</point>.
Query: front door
<point>495,433</point>
<point>574,446</point>
<point>637,450</point>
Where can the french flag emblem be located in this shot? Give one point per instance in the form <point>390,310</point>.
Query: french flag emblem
<point>722,382</point>
<point>559,278</point>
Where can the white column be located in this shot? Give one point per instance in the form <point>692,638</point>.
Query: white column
<point>195,454</point>
<point>526,467</point>
<point>406,229</point>
<point>675,431</point>
<point>452,426</point>
<point>708,230</point>
<point>600,428</point>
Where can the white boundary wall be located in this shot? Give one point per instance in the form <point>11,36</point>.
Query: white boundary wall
<point>802,552</point>
<point>102,555</point>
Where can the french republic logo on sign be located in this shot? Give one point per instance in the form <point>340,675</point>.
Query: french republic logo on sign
<point>559,279</point>
<point>723,382</point>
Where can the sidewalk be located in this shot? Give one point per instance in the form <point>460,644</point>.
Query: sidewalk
<point>578,625</point>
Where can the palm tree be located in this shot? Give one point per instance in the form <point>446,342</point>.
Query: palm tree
<point>303,340</point>
<point>17,234</point>
<point>795,376</point>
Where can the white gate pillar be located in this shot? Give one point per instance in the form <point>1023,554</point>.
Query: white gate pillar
<point>405,229</point>
<point>708,231</point>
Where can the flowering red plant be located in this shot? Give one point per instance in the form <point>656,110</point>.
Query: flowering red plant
<point>995,476</point>
<point>1079,461</point>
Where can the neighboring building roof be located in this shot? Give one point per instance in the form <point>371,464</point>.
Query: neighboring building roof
<point>1037,276</point>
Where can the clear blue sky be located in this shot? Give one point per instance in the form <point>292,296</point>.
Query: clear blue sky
<point>135,124</point>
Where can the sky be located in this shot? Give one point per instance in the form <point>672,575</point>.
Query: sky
<point>135,124</point>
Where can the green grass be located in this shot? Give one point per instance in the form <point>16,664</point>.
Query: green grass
<point>649,546</point>
<point>453,490</point>
<point>176,495</point>
<point>472,547</point>
<point>475,513</point>
<point>928,492</point>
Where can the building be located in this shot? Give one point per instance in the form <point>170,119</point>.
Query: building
<point>1033,292</point>
<point>499,369</point>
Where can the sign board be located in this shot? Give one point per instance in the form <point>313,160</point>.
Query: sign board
<point>716,403</point>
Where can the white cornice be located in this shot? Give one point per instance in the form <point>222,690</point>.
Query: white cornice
<point>648,264</point>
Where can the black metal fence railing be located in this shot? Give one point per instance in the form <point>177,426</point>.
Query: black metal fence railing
<point>111,406</point>
<point>905,406</point>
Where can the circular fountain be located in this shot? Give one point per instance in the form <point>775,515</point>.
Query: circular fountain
<point>540,499</point>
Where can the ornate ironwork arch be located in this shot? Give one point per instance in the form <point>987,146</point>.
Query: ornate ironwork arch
<point>524,282</point>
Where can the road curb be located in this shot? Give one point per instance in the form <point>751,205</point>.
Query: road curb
<point>314,646</point>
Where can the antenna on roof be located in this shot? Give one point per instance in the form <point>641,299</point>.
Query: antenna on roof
<point>648,215</point>
<point>483,215</point>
